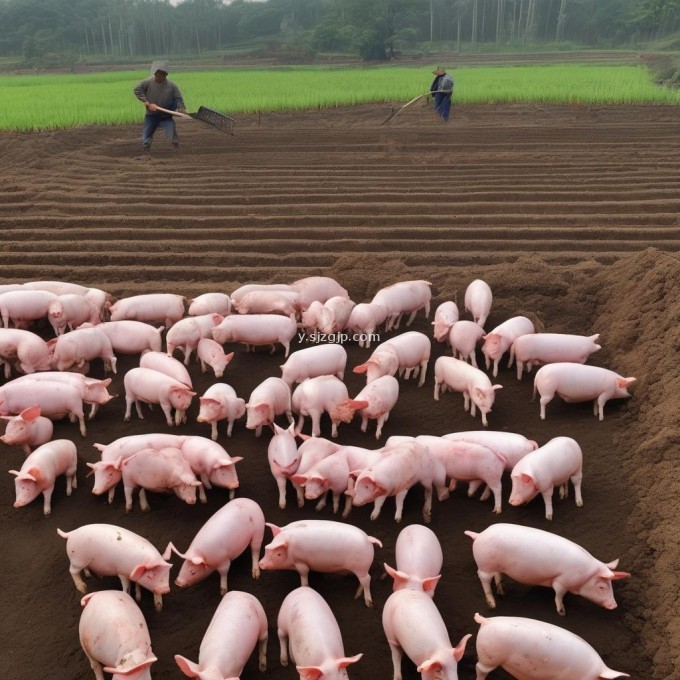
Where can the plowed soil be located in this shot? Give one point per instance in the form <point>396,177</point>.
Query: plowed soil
<point>570,214</point>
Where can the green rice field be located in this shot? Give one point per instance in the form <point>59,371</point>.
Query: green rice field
<point>40,102</point>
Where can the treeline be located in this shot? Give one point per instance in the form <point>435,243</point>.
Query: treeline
<point>58,31</point>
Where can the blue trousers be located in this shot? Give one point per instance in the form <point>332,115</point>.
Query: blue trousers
<point>442,105</point>
<point>152,122</point>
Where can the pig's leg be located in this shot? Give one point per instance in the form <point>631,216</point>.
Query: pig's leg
<point>300,491</point>
<point>466,401</point>
<point>547,498</point>
<point>47,501</point>
<point>143,504</point>
<point>287,348</point>
<point>364,424</point>
<point>377,506</point>
<point>564,491</point>
<point>128,496</point>
<point>81,419</point>
<point>93,410</point>
<point>348,507</point>
<point>96,667</point>
<point>281,484</point>
<point>262,653</point>
<point>423,371</point>
<point>232,493</point>
<point>473,487</point>
<point>485,577</point>
<point>545,400</point>
<point>201,493</point>
<point>427,505</point>
<point>497,497</point>
<point>300,423</point>
<point>158,602</point>
<point>138,592</point>
<point>128,407</point>
<point>399,500</point>
<point>78,579</point>
<point>322,502</point>
<point>396,652</point>
<point>303,570</point>
<point>213,431</point>
<point>495,368</point>
<point>483,670</point>
<point>112,491</point>
<point>601,401</point>
<point>365,587</point>
<point>223,571</point>
<point>258,430</point>
<point>560,592</point>
<point>316,424</point>
<point>255,546</point>
<point>283,642</point>
<point>410,319</point>
<point>381,422</point>
<point>336,501</point>
<point>520,369</point>
<point>473,359</point>
<point>576,481</point>
<point>167,410</point>
<point>437,387</point>
<point>498,578</point>
<point>124,582</point>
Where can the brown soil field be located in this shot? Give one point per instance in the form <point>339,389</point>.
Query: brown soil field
<point>571,214</point>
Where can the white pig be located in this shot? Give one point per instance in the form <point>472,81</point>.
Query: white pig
<point>238,625</point>
<point>535,650</point>
<point>227,533</point>
<point>381,395</point>
<point>364,319</point>
<point>536,349</point>
<point>444,317</point>
<point>321,288</point>
<point>27,429</point>
<point>219,402</point>
<point>29,349</point>
<point>499,340</point>
<point>404,297</point>
<point>268,400</point>
<point>185,336</point>
<point>80,346</point>
<point>241,292</point>
<point>211,463</point>
<point>71,311</point>
<point>209,303</point>
<point>574,382</point>
<point>163,308</point>
<point>109,550</point>
<point>325,546</point>
<point>40,470</point>
<point>334,314</point>
<point>114,636</point>
<point>459,376</point>
<point>210,353</point>
<point>283,457</point>
<point>309,634</point>
<point>269,302</point>
<point>314,361</point>
<point>463,338</point>
<point>413,624</point>
<point>22,307</point>
<point>540,471</point>
<point>541,558</point>
<point>132,337</point>
<point>478,299</point>
<point>159,361</point>
<point>256,329</point>
<point>419,560</point>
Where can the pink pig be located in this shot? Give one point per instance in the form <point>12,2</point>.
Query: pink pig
<point>29,349</point>
<point>419,559</point>
<point>459,376</point>
<point>241,292</point>
<point>574,382</point>
<point>153,387</point>
<point>324,393</point>
<point>257,329</point>
<point>132,337</point>
<point>283,457</point>
<point>160,471</point>
<point>312,362</point>
<point>540,471</point>
<point>311,317</point>
<point>164,308</point>
<point>226,534</point>
<point>109,550</point>
<point>381,395</point>
<point>513,447</point>
<point>22,307</point>
<point>310,636</point>
<point>402,466</point>
<point>27,429</point>
<point>185,336</point>
<point>364,319</point>
<point>268,400</point>
<point>404,297</point>
<point>321,288</point>
<point>549,348</point>
<point>463,338</point>
<point>269,302</point>
<point>82,345</point>
<point>499,340</point>
<point>541,558</point>
<point>312,451</point>
<point>478,299</point>
<point>159,361</point>
<point>535,650</point>
<point>334,314</point>
<point>404,353</point>
<point>40,470</point>
<point>211,463</point>
<point>325,546</point>
<point>444,317</point>
<point>220,403</point>
<point>413,624</point>
<point>211,353</point>
<point>237,627</point>
<point>71,311</point>
<point>209,303</point>
<point>114,636</point>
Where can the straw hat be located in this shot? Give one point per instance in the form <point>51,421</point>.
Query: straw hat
<point>439,71</point>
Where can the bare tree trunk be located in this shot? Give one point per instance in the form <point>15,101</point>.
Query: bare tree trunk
<point>474,24</point>
<point>431,20</point>
<point>561,20</point>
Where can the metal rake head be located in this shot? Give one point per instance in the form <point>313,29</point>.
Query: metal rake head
<point>217,120</point>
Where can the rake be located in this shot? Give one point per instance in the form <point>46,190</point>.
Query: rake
<point>216,120</point>
<point>413,101</point>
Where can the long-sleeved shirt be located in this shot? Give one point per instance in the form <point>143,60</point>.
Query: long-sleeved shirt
<point>165,94</point>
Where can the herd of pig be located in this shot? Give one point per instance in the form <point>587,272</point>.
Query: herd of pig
<point>113,633</point>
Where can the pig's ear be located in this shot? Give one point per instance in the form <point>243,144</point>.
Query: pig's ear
<point>99,447</point>
<point>229,356</point>
<point>496,387</point>
<point>196,560</point>
<point>93,469</point>
<point>299,479</point>
<point>429,584</point>
<point>304,437</point>
<point>309,672</point>
<point>527,479</point>
<point>430,666</point>
<point>459,649</point>
<point>232,461</point>
<point>137,572</point>
<point>361,368</point>
<point>396,575</point>
<point>291,429</point>
<point>624,382</point>
<point>131,671</point>
<point>171,549</point>
<point>106,382</point>
<point>613,564</point>
<point>617,575</point>
<point>357,405</point>
<point>275,530</point>
<point>120,461</point>
<point>52,342</point>
<point>7,417</point>
<point>30,413</point>
<point>277,429</point>
<point>189,668</point>
<point>16,473</point>
<point>348,660</point>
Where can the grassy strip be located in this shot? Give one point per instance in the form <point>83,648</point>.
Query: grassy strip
<point>63,101</point>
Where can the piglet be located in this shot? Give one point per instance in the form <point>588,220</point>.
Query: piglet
<point>404,353</point>
<point>283,457</point>
<point>463,338</point>
<point>159,361</point>
<point>531,649</point>
<point>80,346</point>
<point>210,353</point>
<point>404,297</point>
<point>365,319</point>
<point>499,340</point>
<point>268,400</point>
<point>312,362</point>
<point>413,624</point>
<point>109,550</point>
<point>334,314</point>
<point>309,634</point>
<point>478,299</point>
<point>163,308</point>
<point>153,387</point>
<point>238,625</point>
<point>269,302</point>
<point>27,429</point>
<point>234,527</point>
<point>209,303</point>
<point>419,559</point>
<point>70,311</point>
<point>164,471</point>
<point>538,557</point>
<point>219,402</point>
<point>23,307</point>
<point>132,337</point>
<point>256,329</point>
<point>381,395</point>
<point>241,292</point>
<point>40,470</point>
<point>211,463</point>
<point>459,376</point>
<point>574,382</point>
<point>29,350</point>
<point>185,336</point>
<point>321,288</point>
<point>540,471</point>
<point>325,546</point>
<point>114,636</point>
<point>444,317</point>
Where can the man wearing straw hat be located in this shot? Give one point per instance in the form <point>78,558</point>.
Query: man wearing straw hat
<point>442,89</point>
<point>159,91</point>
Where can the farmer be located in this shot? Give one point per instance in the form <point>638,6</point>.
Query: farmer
<point>442,89</point>
<point>159,91</point>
